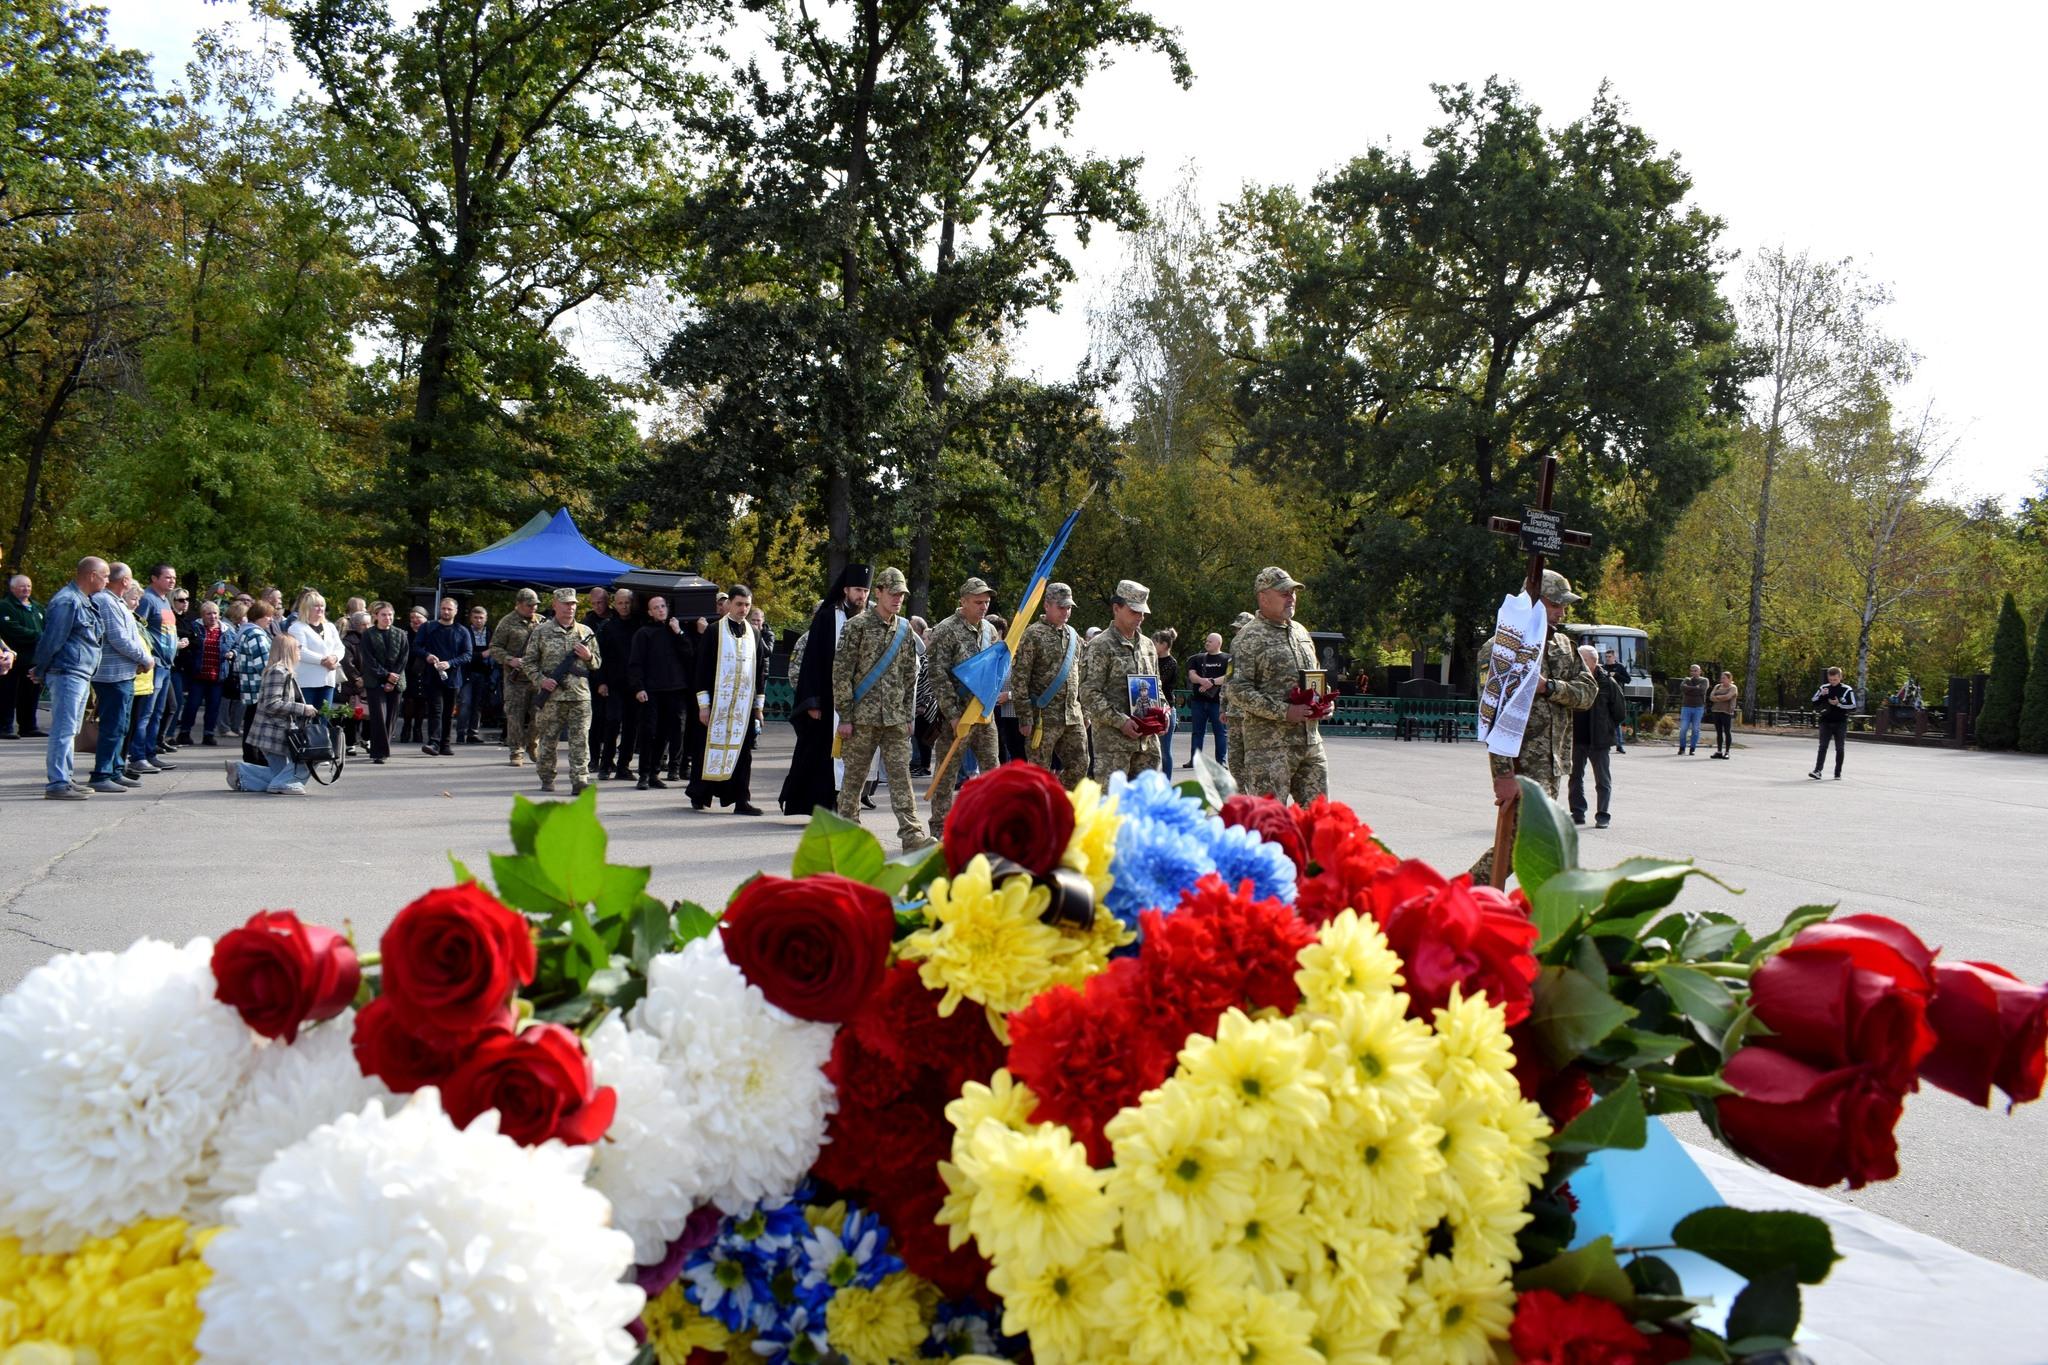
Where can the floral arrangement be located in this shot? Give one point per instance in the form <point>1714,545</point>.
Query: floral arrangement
<point>1145,1073</point>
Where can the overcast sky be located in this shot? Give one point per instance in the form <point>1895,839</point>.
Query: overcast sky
<point>1900,135</point>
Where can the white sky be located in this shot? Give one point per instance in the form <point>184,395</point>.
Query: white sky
<point>1903,136</point>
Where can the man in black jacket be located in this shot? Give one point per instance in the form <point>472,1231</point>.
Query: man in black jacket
<point>659,670</point>
<point>1836,702</point>
<point>615,714</point>
<point>443,648</point>
<point>1593,735</point>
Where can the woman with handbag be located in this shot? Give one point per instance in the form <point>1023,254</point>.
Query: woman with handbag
<point>281,707</point>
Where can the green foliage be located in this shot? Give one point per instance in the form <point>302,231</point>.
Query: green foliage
<point>2033,726</point>
<point>1998,724</point>
<point>1758,1244</point>
<point>1590,1269</point>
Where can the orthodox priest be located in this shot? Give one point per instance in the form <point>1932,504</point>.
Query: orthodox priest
<point>732,692</point>
<point>813,779</point>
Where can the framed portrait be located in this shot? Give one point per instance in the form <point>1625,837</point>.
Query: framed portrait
<point>1144,694</point>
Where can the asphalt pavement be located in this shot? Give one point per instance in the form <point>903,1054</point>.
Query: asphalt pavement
<point>1953,843</point>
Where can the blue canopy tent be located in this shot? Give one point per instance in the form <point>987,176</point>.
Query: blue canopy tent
<point>555,555</point>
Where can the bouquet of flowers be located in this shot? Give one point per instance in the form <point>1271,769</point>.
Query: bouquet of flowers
<point>1149,1073</point>
<point>1320,704</point>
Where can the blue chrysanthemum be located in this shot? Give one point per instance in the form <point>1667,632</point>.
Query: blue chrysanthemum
<point>1241,855</point>
<point>1155,865</point>
<point>795,1337</point>
<point>1149,794</point>
<point>856,1256</point>
<point>962,1329</point>
<point>732,1285</point>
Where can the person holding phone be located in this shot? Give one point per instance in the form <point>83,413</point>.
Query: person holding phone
<point>1721,707</point>
<point>1836,702</point>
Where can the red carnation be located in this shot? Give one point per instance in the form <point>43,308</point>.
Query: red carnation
<point>1584,1329</point>
<point>280,974</point>
<point>541,1083</point>
<point>1018,811</point>
<point>1088,1053</point>
<point>1344,860</point>
<point>1850,991</point>
<point>1272,821</point>
<point>1807,1124</point>
<point>1992,1030</point>
<point>387,1049</point>
<point>1457,935</point>
<point>452,960</point>
<point>816,946</point>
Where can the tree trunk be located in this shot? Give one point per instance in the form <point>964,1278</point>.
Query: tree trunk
<point>839,486</point>
<point>436,354</point>
<point>38,451</point>
<point>1867,619</point>
<point>1759,560</point>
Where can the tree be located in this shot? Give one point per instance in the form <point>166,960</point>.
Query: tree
<point>1998,724</point>
<point>517,160</point>
<point>1433,331</point>
<point>2033,728</point>
<point>1812,323</point>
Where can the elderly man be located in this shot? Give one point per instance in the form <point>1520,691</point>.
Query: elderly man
<point>1110,661</point>
<point>1282,740</point>
<point>874,694</point>
<point>204,664</point>
<point>1046,681</point>
<point>113,683</point>
<point>21,627</point>
<point>559,658</point>
<point>67,655</point>
<point>476,676</point>
<point>953,641</point>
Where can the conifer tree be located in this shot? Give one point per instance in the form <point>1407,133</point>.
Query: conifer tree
<point>2033,736</point>
<point>1998,724</point>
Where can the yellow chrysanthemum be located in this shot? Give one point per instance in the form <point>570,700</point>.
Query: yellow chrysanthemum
<point>1258,1073</point>
<point>1474,1152</point>
<point>131,1297</point>
<point>985,943</point>
<point>1093,844</point>
<point>880,1325</point>
<point>1180,1173</point>
<point>1037,1201</point>
<point>1455,1311</point>
<point>1382,1177</point>
<point>832,1215</point>
<point>1377,1061</point>
<point>956,1209</point>
<point>1175,1301</point>
<point>1486,1234</point>
<point>1003,1099</point>
<point>1274,1329</point>
<point>675,1328</point>
<point>1350,956</point>
<point>1359,1281</point>
<point>1061,1306</point>
<point>1276,1237</point>
<point>1474,1059</point>
<point>1528,1130</point>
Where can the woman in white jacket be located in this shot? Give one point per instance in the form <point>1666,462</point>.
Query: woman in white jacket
<point>319,648</point>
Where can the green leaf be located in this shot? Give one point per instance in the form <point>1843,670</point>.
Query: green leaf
<point>1709,936</point>
<point>462,872</point>
<point>524,885</point>
<point>620,890</point>
<point>1616,1120</point>
<point>651,931</point>
<point>1637,887</point>
<point>589,955</point>
<point>906,873</point>
<point>571,846</point>
<point>1586,957</point>
<point>1591,1269</point>
<point>1698,996</point>
<point>1767,1307</point>
<point>1640,1047</point>
<point>527,818</point>
<point>1545,842</point>
<point>1754,1244</point>
<point>693,922</point>
<point>1784,933</point>
<point>831,844</point>
<point>1571,1013</point>
<point>608,981</point>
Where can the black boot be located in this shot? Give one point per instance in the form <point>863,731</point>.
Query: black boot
<point>867,795</point>
<point>641,785</point>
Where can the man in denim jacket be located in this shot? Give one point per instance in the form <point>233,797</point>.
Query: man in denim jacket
<point>67,655</point>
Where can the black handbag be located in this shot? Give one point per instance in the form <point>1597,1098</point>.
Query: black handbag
<point>311,744</point>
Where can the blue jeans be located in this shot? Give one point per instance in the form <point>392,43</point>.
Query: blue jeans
<point>115,700</point>
<point>196,691</point>
<point>1166,748</point>
<point>1209,714</point>
<point>1689,726</point>
<point>68,692</point>
<point>276,772</point>
<point>146,732</point>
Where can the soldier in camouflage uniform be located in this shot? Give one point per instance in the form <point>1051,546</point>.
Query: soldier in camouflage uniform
<point>1282,741</point>
<point>1045,683</point>
<point>880,719</point>
<point>1108,662</point>
<point>953,641</point>
<point>1231,716</point>
<point>568,699</point>
<point>1567,686</point>
<point>508,648</point>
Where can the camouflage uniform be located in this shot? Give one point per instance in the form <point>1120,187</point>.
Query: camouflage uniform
<point>951,642</point>
<point>508,647</point>
<point>1282,758</point>
<point>1107,662</point>
<point>1547,739</point>
<point>1056,728</point>
<point>569,703</point>
<point>1239,774</point>
<point>881,718</point>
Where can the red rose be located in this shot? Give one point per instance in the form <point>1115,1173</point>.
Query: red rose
<point>1454,934</point>
<point>1563,1093</point>
<point>1018,811</point>
<point>281,974</point>
<point>404,1060</point>
<point>1810,1125</point>
<point>1991,1029</point>
<point>452,960</point>
<point>816,946</point>
<point>1584,1329</point>
<point>1850,991</point>
<point>1272,821</point>
<point>540,1082</point>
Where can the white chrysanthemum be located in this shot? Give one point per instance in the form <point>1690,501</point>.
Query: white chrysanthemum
<point>407,1240</point>
<point>291,1090</point>
<point>750,1075</point>
<point>648,1162</point>
<point>117,1067</point>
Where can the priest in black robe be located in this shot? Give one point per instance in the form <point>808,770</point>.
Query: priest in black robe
<point>731,684</point>
<point>813,777</point>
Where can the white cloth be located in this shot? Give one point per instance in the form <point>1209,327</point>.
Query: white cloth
<point>1514,664</point>
<point>731,700</point>
<point>315,645</point>
<point>839,620</point>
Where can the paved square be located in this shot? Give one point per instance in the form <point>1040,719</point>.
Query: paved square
<point>1954,844</point>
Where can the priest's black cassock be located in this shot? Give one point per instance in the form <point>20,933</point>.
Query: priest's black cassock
<point>812,781</point>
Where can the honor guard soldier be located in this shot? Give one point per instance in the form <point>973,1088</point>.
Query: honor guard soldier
<point>508,649</point>
<point>560,656</point>
<point>953,641</point>
<point>1271,659</point>
<point>874,690</point>
<point>1109,664</point>
<point>1045,686</point>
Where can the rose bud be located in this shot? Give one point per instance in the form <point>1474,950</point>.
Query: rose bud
<point>280,974</point>
<point>452,960</point>
<point>1018,811</point>
<point>540,1082</point>
<point>1991,1028</point>
<point>1810,1125</point>
<point>816,946</point>
<point>1849,991</point>
<point>404,1060</point>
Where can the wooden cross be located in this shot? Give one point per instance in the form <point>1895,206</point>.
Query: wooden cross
<point>1542,533</point>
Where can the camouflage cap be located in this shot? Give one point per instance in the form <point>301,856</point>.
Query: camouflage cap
<point>1273,576</point>
<point>974,587</point>
<point>1244,618</point>
<point>1135,595</point>
<point>1557,589</point>
<point>565,595</point>
<point>1058,595</point>
<point>526,595</point>
<point>891,580</point>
